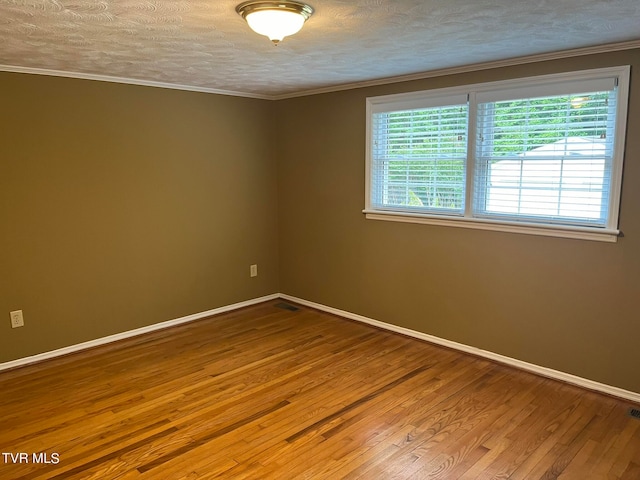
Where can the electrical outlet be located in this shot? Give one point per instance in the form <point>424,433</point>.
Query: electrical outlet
<point>253,270</point>
<point>16,319</point>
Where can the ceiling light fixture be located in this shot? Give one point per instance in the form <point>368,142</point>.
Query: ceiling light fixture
<point>276,20</point>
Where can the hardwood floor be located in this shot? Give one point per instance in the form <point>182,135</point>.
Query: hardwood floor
<point>267,393</point>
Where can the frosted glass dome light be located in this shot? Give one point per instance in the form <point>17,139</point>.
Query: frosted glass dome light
<point>275,20</point>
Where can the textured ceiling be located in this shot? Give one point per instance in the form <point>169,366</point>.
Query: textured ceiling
<point>206,45</point>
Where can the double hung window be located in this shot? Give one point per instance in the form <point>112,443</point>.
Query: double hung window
<point>540,155</point>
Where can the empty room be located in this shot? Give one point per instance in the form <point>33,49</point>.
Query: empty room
<point>279,240</point>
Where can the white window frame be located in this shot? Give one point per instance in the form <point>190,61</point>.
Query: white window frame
<point>608,233</point>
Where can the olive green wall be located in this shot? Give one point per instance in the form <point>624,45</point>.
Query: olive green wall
<point>571,305</point>
<point>123,206</point>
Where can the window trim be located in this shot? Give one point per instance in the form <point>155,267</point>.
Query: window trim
<point>467,220</point>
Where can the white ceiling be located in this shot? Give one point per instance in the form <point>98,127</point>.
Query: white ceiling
<point>205,44</point>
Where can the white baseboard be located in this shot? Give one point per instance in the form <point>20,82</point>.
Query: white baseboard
<point>543,371</point>
<point>530,367</point>
<point>131,333</point>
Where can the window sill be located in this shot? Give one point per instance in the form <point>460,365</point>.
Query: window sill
<point>581,233</point>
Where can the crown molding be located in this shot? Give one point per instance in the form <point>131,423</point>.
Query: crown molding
<point>129,81</point>
<point>576,52</point>
<point>541,57</point>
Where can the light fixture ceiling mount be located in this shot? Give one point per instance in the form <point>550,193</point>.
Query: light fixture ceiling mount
<point>276,20</point>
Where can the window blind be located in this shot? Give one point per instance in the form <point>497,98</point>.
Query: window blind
<point>418,158</point>
<point>541,155</point>
<point>546,158</point>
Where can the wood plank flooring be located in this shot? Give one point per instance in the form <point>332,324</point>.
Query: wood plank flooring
<point>268,393</point>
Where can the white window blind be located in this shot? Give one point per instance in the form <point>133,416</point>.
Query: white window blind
<point>546,159</point>
<point>419,157</point>
<point>539,155</point>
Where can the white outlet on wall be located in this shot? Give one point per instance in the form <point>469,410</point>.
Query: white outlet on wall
<point>253,270</point>
<point>17,320</point>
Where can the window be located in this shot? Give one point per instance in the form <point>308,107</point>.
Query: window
<point>541,155</point>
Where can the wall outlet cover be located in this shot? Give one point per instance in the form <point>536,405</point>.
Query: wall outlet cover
<point>17,320</point>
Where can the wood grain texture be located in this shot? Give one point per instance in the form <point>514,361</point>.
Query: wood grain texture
<point>269,393</point>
